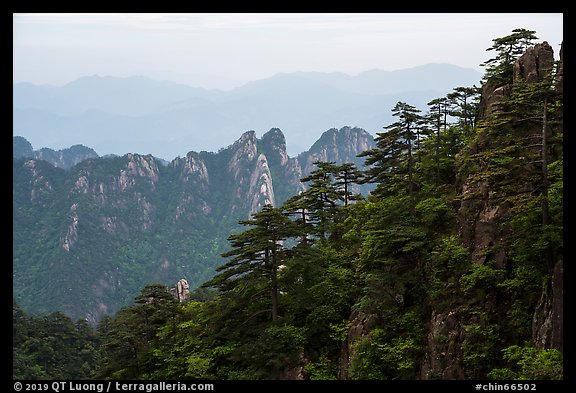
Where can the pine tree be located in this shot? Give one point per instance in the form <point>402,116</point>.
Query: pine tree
<point>391,163</point>
<point>508,49</point>
<point>345,176</point>
<point>318,204</point>
<point>257,252</point>
<point>128,339</point>
<point>436,117</point>
<point>464,105</point>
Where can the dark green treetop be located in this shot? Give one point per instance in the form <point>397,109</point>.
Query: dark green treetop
<point>507,49</point>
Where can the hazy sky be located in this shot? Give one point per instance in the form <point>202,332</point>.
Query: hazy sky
<point>224,50</point>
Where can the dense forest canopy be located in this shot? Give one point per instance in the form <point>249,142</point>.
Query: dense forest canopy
<point>446,270</point>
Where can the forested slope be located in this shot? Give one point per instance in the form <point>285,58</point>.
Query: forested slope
<point>450,269</point>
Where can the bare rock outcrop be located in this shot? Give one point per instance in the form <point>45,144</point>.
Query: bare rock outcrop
<point>548,319</point>
<point>261,188</point>
<point>181,291</point>
<point>443,353</point>
<point>534,64</point>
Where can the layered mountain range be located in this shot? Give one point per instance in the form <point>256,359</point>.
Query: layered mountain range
<point>90,232</point>
<point>117,115</point>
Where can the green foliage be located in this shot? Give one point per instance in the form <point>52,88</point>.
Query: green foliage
<point>258,253</point>
<point>479,346</point>
<point>149,231</point>
<point>508,49</point>
<point>339,330</point>
<point>433,213</point>
<point>52,347</point>
<point>129,339</point>
<point>380,357</point>
<point>529,363</point>
<point>268,354</point>
<point>326,276</point>
<point>322,369</point>
<point>180,353</point>
<point>391,163</point>
<point>317,208</point>
<point>285,338</point>
<point>481,276</point>
<point>445,264</point>
<point>450,253</point>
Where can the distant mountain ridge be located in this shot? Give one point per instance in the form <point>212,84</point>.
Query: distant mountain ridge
<point>138,114</point>
<point>380,82</point>
<point>87,239</point>
<point>64,158</point>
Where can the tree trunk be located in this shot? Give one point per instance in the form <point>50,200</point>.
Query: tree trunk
<point>545,207</point>
<point>274,287</point>
<point>274,294</point>
<point>545,203</point>
<point>410,183</point>
<point>438,147</point>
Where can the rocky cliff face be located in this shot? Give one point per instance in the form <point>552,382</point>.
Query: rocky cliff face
<point>480,215</point>
<point>481,221</point>
<point>91,237</point>
<point>336,145</point>
<point>548,318</point>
